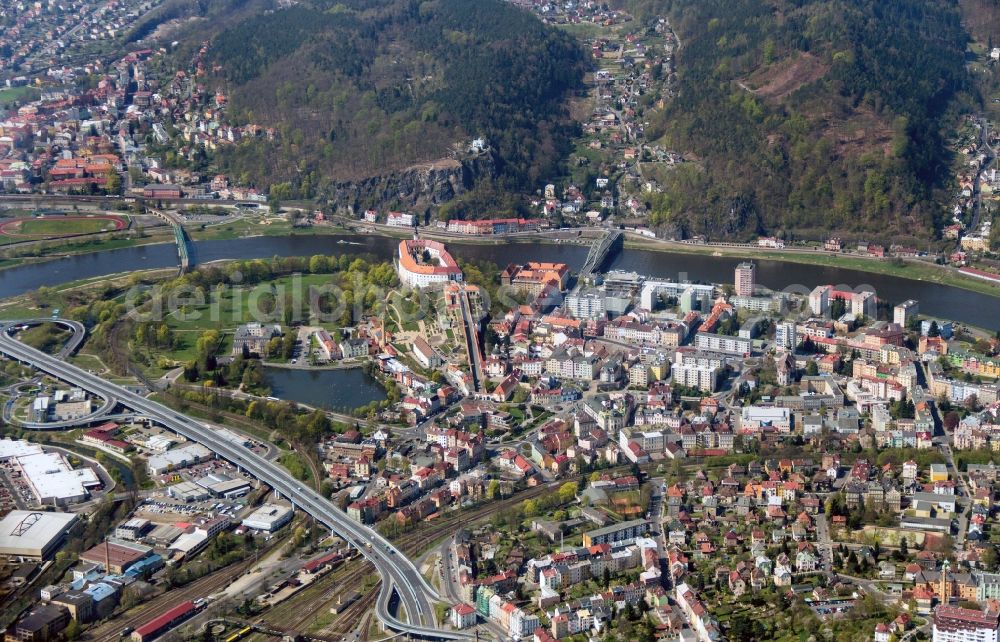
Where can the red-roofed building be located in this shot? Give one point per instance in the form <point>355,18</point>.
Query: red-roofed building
<point>160,624</point>
<point>103,437</point>
<point>422,262</point>
<point>533,276</point>
<point>463,616</point>
<point>320,562</point>
<point>955,624</point>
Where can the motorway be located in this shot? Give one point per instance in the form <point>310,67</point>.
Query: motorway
<point>400,578</point>
<point>109,403</point>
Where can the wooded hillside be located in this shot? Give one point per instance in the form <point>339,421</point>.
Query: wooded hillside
<point>811,116</point>
<point>362,87</point>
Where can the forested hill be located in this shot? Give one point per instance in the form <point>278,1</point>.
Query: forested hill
<point>811,116</point>
<point>362,87</point>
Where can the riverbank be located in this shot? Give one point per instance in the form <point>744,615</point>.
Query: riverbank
<point>911,269</point>
<point>59,249</point>
<point>903,268</point>
<point>249,227</point>
<point>351,365</point>
<point>22,307</point>
<point>942,294</point>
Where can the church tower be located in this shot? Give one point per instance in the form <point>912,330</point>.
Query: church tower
<point>944,586</point>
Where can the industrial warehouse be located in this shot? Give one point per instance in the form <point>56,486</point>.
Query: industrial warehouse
<point>33,534</point>
<point>47,476</point>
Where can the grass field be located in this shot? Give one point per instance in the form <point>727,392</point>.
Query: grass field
<point>59,227</point>
<point>64,226</point>
<point>226,309</point>
<point>19,230</point>
<point>237,229</point>
<point>230,307</point>
<point>18,94</point>
<point>585,30</point>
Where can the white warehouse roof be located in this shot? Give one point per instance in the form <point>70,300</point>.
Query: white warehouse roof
<point>268,517</point>
<point>53,479</point>
<point>33,533</point>
<point>178,458</point>
<point>20,448</point>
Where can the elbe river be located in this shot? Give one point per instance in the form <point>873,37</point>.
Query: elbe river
<point>935,300</point>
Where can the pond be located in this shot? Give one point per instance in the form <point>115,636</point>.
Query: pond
<point>340,389</point>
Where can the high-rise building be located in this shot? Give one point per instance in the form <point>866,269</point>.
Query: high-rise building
<point>746,277</point>
<point>905,312</point>
<point>784,335</point>
<point>955,624</point>
<point>702,377</point>
<point>586,304</point>
<point>864,303</point>
<point>819,300</point>
<point>693,299</point>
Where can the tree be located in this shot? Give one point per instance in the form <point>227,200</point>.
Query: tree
<point>934,330</point>
<point>745,629</point>
<point>207,342</point>
<point>318,264</point>
<point>113,182</point>
<point>989,558</point>
<point>811,368</point>
<point>72,630</point>
<point>567,492</point>
<point>42,297</point>
<point>164,336</point>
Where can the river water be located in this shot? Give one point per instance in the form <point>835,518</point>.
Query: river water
<point>937,300</point>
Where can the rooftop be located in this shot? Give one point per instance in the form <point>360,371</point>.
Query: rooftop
<point>159,623</point>
<point>52,477</point>
<point>116,552</point>
<point>27,531</point>
<point>410,249</point>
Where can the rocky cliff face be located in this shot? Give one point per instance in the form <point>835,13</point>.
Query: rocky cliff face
<point>414,189</point>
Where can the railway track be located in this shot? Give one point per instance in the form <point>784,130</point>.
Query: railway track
<point>354,616</point>
<point>197,589</point>
<point>422,537</point>
<point>294,613</point>
<point>360,610</point>
<point>365,626</point>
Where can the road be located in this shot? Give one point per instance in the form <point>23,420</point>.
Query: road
<point>450,587</point>
<point>108,404</point>
<point>656,517</point>
<point>977,192</point>
<point>400,578</point>
<point>963,496</point>
<point>472,341</point>
<point>823,542</point>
